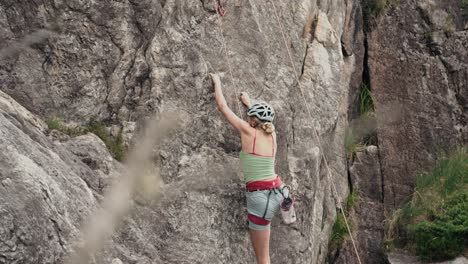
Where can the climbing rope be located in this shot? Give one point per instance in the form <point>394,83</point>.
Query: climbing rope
<point>222,12</point>
<point>315,131</point>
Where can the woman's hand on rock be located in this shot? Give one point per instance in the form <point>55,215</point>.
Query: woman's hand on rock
<point>215,78</point>
<point>245,98</point>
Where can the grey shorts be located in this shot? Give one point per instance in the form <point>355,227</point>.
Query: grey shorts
<point>258,214</point>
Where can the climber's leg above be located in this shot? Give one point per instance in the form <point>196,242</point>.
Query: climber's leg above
<point>261,244</point>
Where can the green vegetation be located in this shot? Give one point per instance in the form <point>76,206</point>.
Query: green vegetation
<point>352,143</point>
<point>378,7</point>
<point>449,26</point>
<point>55,123</point>
<point>361,132</point>
<point>449,175</point>
<point>434,223</point>
<point>366,102</point>
<point>114,144</point>
<point>339,231</point>
<point>464,8</point>
<point>444,236</point>
<point>352,199</point>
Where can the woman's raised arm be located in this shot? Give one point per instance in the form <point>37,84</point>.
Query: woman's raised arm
<point>232,118</point>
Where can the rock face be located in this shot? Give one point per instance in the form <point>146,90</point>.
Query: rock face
<point>123,61</point>
<point>367,216</point>
<point>421,70</point>
<point>43,196</point>
<point>93,152</point>
<point>47,193</point>
<point>416,61</point>
<point>402,257</point>
<point>140,58</point>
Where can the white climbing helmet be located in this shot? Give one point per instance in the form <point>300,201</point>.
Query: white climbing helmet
<point>262,111</point>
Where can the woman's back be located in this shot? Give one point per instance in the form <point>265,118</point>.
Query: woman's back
<point>258,156</point>
<point>258,142</point>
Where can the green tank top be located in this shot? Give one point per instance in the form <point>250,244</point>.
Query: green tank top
<point>256,167</point>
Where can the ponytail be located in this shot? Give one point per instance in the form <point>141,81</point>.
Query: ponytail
<point>268,127</point>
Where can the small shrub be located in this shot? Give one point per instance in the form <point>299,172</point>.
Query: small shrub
<point>117,147</point>
<point>114,144</point>
<point>361,130</point>
<point>352,199</point>
<point>391,230</point>
<point>449,26</point>
<point>379,7</point>
<point>450,174</point>
<point>366,102</point>
<point>339,230</point>
<point>54,123</point>
<point>436,242</point>
<point>435,222</point>
<point>447,235</point>
<point>352,143</point>
<point>464,8</point>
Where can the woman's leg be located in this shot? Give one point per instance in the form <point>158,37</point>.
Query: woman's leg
<point>261,244</point>
<point>261,207</point>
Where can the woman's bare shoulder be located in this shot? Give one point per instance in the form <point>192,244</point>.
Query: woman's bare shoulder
<point>250,132</point>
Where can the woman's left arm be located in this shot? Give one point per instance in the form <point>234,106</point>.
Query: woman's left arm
<point>239,124</point>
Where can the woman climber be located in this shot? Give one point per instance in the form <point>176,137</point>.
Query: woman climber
<point>264,190</point>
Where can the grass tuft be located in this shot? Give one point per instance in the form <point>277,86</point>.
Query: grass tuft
<point>450,174</point>
<point>366,102</point>
<point>464,8</point>
<point>434,224</point>
<point>54,123</point>
<point>376,8</point>
<point>114,144</point>
<point>449,25</point>
<point>361,132</point>
<point>352,143</point>
<point>352,199</point>
<point>445,234</point>
<point>339,230</point>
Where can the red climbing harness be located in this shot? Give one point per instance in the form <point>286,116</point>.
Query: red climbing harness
<point>263,185</point>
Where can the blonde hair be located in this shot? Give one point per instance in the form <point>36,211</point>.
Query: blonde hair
<point>268,127</point>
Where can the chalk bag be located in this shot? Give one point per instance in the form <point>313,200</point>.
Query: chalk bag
<point>287,210</point>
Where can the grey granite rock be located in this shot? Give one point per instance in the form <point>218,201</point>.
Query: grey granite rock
<point>123,61</point>
<point>93,152</point>
<point>44,198</point>
<point>403,257</point>
<point>367,215</point>
<point>139,58</point>
<point>421,71</point>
